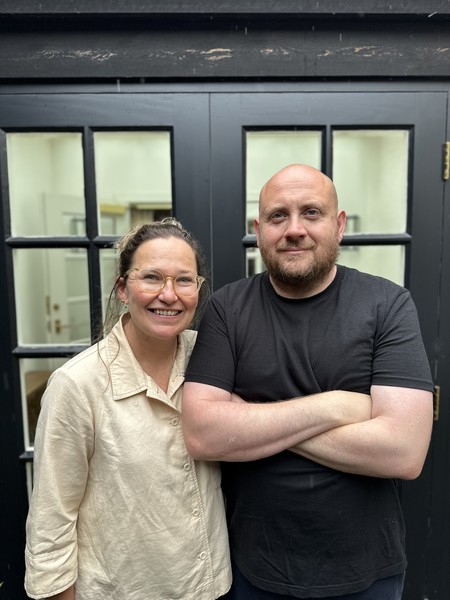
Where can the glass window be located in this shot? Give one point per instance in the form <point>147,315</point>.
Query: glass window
<point>46,184</point>
<point>269,151</point>
<point>385,261</point>
<point>133,178</point>
<point>370,172</point>
<point>52,296</point>
<point>266,153</point>
<point>34,374</point>
<point>108,260</point>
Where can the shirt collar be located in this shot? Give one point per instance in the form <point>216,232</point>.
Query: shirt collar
<point>127,376</point>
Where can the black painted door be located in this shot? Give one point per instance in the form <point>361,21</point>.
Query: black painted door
<point>211,166</point>
<point>234,119</point>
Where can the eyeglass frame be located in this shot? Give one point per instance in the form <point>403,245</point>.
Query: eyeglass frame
<point>199,279</point>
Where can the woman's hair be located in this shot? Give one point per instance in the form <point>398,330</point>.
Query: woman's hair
<point>127,246</point>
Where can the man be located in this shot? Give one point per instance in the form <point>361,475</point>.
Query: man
<point>313,509</point>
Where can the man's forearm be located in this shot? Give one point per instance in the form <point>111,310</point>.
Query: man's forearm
<point>392,444</point>
<point>217,429</point>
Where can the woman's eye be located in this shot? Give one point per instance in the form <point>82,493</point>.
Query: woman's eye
<point>152,277</point>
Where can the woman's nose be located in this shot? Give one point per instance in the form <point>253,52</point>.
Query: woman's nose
<point>168,293</point>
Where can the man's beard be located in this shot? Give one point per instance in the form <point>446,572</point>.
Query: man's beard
<point>291,276</point>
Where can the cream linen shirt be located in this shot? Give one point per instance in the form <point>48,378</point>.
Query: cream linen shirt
<point>118,506</point>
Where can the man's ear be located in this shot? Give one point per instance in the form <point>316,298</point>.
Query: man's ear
<point>341,220</point>
<point>256,226</point>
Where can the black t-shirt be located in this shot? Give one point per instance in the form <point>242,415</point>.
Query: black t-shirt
<point>297,527</point>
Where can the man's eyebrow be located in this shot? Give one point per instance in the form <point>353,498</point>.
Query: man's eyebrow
<point>274,208</point>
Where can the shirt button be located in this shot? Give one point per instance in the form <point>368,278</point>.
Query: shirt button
<point>195,512</point>
<point>186,466</point>
<point>174,421</point>
<point>202,555</point>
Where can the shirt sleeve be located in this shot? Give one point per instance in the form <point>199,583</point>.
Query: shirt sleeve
<point>63,445</point>
<point>400,358</point>
<point>213,358</point>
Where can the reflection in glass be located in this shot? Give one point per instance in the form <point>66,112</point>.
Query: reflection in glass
<point>269,151</point>
<point>46,184</point>
<point>34,374</point>
<point>52,296</point>
<point>133,176</point>
<point>370,172</point>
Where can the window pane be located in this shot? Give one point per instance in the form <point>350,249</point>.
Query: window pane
<point>133,175</point>
<point>52,296</point>
<point>370,172</point>
<point>108,259</point>
<point>385,261</point>
<point>34,373</point>
<point>269,151</point>
<point>46,184</point>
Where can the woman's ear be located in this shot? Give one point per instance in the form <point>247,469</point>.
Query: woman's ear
<point>121,290</point>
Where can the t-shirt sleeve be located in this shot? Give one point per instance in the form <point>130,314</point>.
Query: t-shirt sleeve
<point>213,359</point>
<point>399,355</point>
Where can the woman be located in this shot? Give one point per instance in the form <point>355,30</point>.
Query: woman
<point>119,510</point>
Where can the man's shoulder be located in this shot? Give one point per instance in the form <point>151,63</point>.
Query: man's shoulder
<point>244,286</point>
<point>367,281</point>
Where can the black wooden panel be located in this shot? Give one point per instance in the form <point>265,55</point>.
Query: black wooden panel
<point>187,47</point>
<point>425,7</point>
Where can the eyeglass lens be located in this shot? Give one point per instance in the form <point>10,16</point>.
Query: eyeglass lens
<point>154,281</point>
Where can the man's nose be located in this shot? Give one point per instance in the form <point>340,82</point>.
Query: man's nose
<point>295,228</point>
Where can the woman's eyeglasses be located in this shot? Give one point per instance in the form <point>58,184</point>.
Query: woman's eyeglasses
<point>153,282</point>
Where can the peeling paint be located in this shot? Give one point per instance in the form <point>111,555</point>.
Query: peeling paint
<point>213,58</point>
<point>76,54</point>
<point>325,53</point>
<point>363,52</point>
<point>97,56</point>
<point>370,49</point>
<point>215,54</point>
<point>216,50</point>
<point>274,52</point>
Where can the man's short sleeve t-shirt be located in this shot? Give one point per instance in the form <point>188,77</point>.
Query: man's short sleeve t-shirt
<point>297,527</point>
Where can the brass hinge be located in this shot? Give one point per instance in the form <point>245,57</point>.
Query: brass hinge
<point>436,402</point>
<point>446,161</point>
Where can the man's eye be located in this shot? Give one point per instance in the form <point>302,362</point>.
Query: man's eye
<point>277,216</point>
<point>312,212</point>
